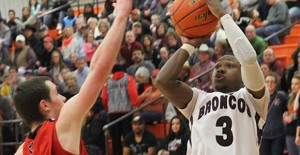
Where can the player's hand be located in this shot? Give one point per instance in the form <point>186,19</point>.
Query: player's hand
<point>216,8</point>
<point>196,42</point>
<point>123,7</point>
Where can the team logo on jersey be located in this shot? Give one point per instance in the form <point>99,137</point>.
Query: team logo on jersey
<point>30,148</point>
<point>224,102</point>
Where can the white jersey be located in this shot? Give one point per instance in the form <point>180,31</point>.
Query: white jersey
<point>224,123</point>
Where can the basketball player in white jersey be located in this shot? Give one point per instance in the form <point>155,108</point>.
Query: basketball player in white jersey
<point>224,122</point>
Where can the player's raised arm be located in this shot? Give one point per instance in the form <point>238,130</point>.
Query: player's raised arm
<point>177,92</point>
<point>73,112</point>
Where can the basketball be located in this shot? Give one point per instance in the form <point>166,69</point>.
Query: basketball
<point>192,18</point>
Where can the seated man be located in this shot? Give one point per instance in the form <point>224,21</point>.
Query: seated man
<point>140,140</point>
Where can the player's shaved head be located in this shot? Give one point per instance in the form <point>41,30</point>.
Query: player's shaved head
<point>229,57</point>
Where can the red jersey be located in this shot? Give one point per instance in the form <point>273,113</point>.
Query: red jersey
<point>44,141</point>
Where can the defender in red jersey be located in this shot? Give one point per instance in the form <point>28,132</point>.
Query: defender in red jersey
<point>37,100</point>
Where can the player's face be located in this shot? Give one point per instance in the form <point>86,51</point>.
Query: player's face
<point>227,75</point>
<point>57,100</point>
<point>175,125</point>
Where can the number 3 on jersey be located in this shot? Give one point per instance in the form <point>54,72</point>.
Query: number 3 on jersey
<point>227,138</point>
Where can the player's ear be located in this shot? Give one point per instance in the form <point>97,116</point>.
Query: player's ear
<point>44,106</point>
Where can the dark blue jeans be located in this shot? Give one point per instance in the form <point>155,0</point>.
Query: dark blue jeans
<point>268,30</point>
<point>291,146</point>
<point>272,146</point>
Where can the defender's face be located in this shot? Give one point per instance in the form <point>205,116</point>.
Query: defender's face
<point>227,75</point>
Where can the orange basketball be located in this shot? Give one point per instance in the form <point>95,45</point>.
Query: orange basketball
<point>192,18</point>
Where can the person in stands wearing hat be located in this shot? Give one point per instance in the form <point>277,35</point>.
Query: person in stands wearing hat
<point>135,16</point>
<point>204,53</point>
<point>5,34</point>
<point>45,61</point>
<point>32,40</point>
<point>140,140</point>
<point>23,55</point>
<point>29,74</point>
<point>154,112</point>
<point>138,31</point>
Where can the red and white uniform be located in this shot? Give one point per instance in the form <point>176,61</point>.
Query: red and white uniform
<point>44,141</point>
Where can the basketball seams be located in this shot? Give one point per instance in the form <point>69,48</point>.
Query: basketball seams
<point>188,14</point>
<point>178,8</point>
<point>184,30</point>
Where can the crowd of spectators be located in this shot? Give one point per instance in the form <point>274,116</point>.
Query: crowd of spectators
<point>27,50</point>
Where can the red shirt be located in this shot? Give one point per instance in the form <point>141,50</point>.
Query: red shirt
<point>44,141</point>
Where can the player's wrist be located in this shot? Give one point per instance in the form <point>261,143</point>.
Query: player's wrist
<point>189,48</point>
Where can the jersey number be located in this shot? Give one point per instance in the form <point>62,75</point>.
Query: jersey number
<point>227,138</point>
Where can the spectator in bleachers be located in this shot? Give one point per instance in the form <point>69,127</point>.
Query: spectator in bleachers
<point>89,12</point>
<point>90,47</point>
<point>46,5</point>
<point>153,113</point>
<point>147,7</point>
<point>150,53</point>
<point>167,17</point>
<point>119,96</point>
<point>15,78</point>
<point>108,8</point>
<point>29,74</point>
<point>155,22</point>
<point>277,19</point>
<point>294,9</point>
<point>240,15</point>
<point>138,59</point>
<point>103,28</point>
<point>142,76</point>
<point>25,13</point>
<point>69,43</point>
<point>265,69</point>
<point>275,65</point>
<point>138,31</point>
<point>204,53</point>
<point>61,13</point>
<point>23,55</point>
<point>3,70</point>
<point>218,34</point>
<point>5,87</point>
<point>220,49</point>
<point>57,64</point>
<point>5,34</point>
<point>257,42</point>
<point>93,23</point>
<point>140,140</point>
<point>61,79</point>
<point>128,47</point>
<point>164,56</point>
<point>294,67</point>
<point>80,34</point>
<point>72,87</point>
<point>290,116</point>
<point>273,134</point>
<point>161,8</point>
<point>45,60</point>
<point>69,20</point>
<point>32,40</point>
<point>82,70</point>
<point>34,7</point>
<point>93,138</point>
<point>160,39</point>
<point>177,140</point>
<point>173,41</point>
<point>11,23</point>
<point>135,16</point>
<point>4,54</point>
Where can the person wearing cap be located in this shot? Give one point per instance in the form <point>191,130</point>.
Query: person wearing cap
<point>32,40</point>
<point>135,16</point>
<point>140,140</point>
<point>29,74</point>
<point>23,56</point>
<point>81,31</point>
<point>119,96</point>
<point>204,53</point>
<point>5,34</point>
<point>138,31</point>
